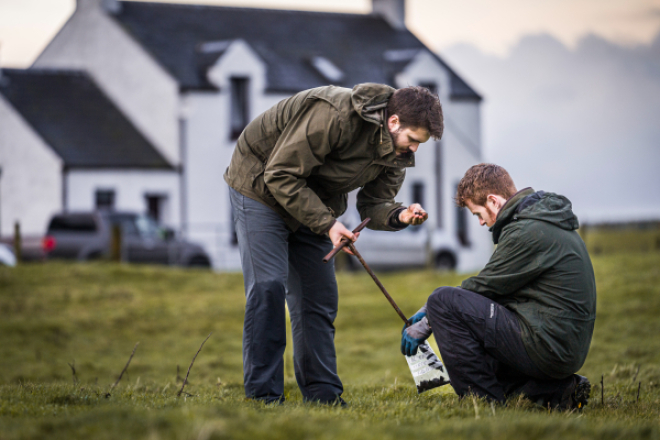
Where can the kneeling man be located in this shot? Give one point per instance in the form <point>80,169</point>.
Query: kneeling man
<point>524,324</point>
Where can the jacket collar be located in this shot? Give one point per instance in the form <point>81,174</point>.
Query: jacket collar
<point>507,212</point>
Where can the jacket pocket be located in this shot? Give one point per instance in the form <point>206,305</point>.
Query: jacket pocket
<point>259,184</point>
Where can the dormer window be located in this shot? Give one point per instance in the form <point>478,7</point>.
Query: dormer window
<point>328,69</point>
<point>239,112</point>
<point>433,87</point>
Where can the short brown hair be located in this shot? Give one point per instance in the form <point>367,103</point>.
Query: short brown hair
<point>418,107</point>
<point>481,180</point>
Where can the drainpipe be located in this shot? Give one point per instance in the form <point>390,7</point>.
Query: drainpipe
<point>65,192</point>
<point>183,162</point>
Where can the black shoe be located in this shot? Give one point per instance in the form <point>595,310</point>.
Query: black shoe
<point>576,395</point>
<point>269,400</point>
<point>334,402</point>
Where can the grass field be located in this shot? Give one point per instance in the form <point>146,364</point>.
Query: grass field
<point>54,316</point>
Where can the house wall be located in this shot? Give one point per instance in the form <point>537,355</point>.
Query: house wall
<point>458,157</point>
<point>130,187</point>
<point>460,149</point>
<point>132,79</point>
<point>208,150</point>
<point>31,180</point>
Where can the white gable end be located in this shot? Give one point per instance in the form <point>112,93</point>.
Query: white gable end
<point>91,40</point>
<point>238,60</point>
<point>31,181</point>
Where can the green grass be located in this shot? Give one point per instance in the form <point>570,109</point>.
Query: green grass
<point>606,239</point>
<point>91,316</point>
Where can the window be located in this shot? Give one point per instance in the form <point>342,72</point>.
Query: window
<point>155,206</point>
<point>239,106</point>
<point>418,193</point>
<point>417,197</point>
<point>462,225</point>
<point>105,199</point>
<point>433,87</point>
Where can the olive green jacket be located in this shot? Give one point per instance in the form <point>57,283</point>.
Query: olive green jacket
<point>304,155</point>
<point>542,272</point>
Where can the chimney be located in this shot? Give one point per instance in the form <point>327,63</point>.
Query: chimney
<point>393,11</point>
<point>110,6</point>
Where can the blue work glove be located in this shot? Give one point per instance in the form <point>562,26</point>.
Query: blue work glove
<point>416,333</point>
<point>414,319</point>
<point>409,344</point>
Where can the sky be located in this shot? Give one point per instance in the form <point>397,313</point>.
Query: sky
<point>492,26</point>
<point>580,121</point>
<point>571,87</point>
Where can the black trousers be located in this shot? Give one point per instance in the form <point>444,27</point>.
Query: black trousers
<point>481,346</point>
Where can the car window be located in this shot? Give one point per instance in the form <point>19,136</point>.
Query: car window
<point>126,222</point>
<point>72,223</point>
<point>147,227</point>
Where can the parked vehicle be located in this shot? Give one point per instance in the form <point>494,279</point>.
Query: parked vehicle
<point>7,257</point>
<point>88,236</point>
<point>414,247</point>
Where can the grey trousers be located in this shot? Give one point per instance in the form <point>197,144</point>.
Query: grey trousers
<point>280,265</point>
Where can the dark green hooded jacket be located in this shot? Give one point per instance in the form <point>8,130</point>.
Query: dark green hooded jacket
<point>542,272</point>
<point>305,154</point>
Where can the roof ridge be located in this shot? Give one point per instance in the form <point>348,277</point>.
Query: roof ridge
<point>47,71</point>
<point>243,8</point>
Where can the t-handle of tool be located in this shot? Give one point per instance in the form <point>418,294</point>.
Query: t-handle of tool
<point>351,246</point>
<point>344,241</point>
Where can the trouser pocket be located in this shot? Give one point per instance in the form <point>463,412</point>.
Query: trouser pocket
<point>490,339</point>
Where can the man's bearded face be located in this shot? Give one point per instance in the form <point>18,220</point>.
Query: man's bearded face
<point>406,140</point>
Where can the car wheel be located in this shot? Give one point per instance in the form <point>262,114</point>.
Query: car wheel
<point>445,261</point>
<point>199,261</point>
<point>94,256</point>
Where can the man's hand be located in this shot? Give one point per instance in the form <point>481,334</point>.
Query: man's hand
<point>339,231</point>
<point>414,215</point>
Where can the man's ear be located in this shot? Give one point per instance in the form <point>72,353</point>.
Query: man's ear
<point>393,123</point>
<point>493,200</point>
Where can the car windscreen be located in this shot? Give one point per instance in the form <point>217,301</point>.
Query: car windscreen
<point>72,223</point>
<point>126,222</point>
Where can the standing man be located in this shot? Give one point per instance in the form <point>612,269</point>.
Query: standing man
<point>524,324</point>
<point>289,178</point>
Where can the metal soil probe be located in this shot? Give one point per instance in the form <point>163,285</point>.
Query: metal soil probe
<point>427,370</point>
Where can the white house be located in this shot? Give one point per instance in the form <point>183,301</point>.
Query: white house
<point>65,146</point>
<point>190,77</point>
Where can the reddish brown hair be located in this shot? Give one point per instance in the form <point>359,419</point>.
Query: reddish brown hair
<point>481,180</point>
<point>418,107</point>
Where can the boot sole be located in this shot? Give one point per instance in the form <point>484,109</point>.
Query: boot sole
<point>581,394</point>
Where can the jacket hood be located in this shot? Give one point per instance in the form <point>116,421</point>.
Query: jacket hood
<point>540,205</point>
<point>370,100</point>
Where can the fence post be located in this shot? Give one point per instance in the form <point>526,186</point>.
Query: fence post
<point>17,242</point>
<point>115,245</point>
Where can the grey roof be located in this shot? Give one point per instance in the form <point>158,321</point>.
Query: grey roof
<point>73,116</point>
<point>287,41</point>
